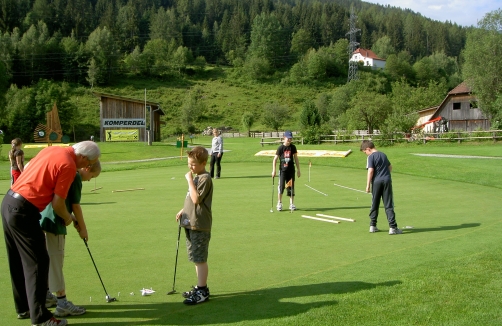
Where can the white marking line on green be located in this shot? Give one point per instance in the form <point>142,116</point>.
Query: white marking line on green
<point>336,217</point>
<point>458,156</point>
<point>316,190</point>
<point>364,192</point>
<point>320,219</point>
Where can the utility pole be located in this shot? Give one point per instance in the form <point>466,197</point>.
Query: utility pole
<point>353,45</point>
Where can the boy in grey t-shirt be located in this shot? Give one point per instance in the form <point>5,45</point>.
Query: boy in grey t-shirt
<point>380,182</point>
<point>196,218</point>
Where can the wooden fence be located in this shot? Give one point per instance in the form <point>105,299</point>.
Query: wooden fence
<point>273,137</point>
<point>458,136</point>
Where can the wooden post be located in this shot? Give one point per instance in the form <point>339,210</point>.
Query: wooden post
<point>181,150</point>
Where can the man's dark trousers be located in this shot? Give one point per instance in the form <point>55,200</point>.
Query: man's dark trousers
<point>28,257</point>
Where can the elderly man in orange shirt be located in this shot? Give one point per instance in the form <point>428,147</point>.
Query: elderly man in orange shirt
<point>47,180</point>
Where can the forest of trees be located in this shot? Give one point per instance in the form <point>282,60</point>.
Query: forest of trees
<point>92,42</point>
<point>95,40</point>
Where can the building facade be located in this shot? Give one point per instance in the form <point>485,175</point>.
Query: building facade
<point>368,58</point>
<point>461,112</point>
<point>126,119</point>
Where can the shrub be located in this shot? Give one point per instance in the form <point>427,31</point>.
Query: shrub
<point>449,136</point>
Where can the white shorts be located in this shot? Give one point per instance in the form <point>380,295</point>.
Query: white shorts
<point>55,248</point>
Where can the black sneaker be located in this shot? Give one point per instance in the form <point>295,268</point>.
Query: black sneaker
<point>198,296</point>
<point>23,315</point>
<point>187,294</point>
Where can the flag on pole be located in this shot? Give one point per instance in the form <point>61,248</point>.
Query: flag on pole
<point>310,165</point>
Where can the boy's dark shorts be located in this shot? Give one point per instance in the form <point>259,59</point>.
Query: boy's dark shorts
<point>284,177</point>
<point>197,245</point>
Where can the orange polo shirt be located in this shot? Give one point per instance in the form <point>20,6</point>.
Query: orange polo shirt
<point>50,172</point>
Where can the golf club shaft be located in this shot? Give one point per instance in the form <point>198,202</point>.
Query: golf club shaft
<point>292,193</point>
<point>95,267</point>
<point>177,250</point>
<point>272,204</point>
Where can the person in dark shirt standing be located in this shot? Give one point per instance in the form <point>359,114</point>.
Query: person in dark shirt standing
<point>380,182</point>
<point>287,154</point>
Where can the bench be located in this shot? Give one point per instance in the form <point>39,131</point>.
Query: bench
<point>278,141</point>
<point>268,140</point>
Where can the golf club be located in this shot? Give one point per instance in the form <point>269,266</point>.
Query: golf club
<point>108,298</point>
<point>176,262</point>
<point>292,195</point>
<point>272,207</point>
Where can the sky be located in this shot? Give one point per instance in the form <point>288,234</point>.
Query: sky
<point>462,12</point>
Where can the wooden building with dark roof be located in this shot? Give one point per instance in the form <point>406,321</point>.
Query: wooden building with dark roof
<point>461,111</point>
<point>131,116</point>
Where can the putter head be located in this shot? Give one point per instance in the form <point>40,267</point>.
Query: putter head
<point>271,210</point>
<point>171,292</point>
<point>110,299</point>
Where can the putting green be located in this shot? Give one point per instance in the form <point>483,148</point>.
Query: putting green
<point>265,268</point>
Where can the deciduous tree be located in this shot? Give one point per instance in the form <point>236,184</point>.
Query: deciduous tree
<point>248,121</point>
<point>483,63</point>
<point>275,115</point>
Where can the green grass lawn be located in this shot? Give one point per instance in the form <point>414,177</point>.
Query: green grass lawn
<point>279,268</point>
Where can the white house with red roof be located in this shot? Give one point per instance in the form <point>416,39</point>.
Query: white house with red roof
<point>368,58</point>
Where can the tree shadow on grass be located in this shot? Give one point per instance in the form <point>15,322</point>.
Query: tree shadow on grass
<point>443,228</point>
<point>259,305</point>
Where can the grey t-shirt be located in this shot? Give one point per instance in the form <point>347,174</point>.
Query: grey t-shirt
<point>380,163</point>
<point>199,217</point>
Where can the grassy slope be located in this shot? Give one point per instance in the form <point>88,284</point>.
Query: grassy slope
<point>280,269</point>
<point>226,96</point>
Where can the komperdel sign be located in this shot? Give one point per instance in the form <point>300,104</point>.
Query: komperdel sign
<point>124,123</point>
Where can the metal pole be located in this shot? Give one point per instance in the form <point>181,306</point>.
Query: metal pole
<point>146,138</point>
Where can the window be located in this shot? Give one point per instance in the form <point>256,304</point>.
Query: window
<point>456,106</point>
<point>473,104</point>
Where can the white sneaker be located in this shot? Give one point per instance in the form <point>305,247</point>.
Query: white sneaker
<point>373,229</point>
<point>279,206</point>
<point>68,309</point>
<point>53,322</point>
<point>395,231</point>
<point>50,300</point>
<point>292,207</point>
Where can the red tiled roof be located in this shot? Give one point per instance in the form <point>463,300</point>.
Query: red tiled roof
<point>367,53</point>
<point>461,88</point>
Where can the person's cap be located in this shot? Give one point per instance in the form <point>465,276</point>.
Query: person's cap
<point>288,134</point>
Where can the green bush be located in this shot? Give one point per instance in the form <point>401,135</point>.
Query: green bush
<point>313,134</point>
<point>450,136</point>
<point>479,133</point>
